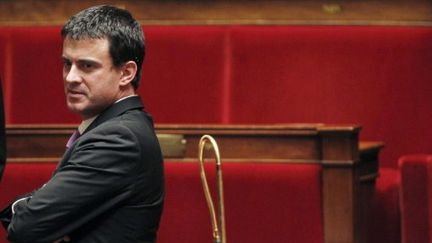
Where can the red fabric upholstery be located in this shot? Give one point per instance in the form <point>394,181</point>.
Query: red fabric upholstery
<point>183,73</point>
<point>375,76</point>
<point>3,59</point>
<point>35,77</point>
<point>384,224</point>
<point>264,202</point>
<point>334,74</point>
<point>367,75</point>
<point>416,198</point>
<point>21,178</point>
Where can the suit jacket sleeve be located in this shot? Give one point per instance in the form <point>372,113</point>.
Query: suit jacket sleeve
<point>97,177</point>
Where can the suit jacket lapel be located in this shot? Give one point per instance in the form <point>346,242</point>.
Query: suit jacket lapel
<point>116,109</point>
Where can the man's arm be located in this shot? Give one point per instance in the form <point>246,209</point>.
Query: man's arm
<point>7,212</point>
<point>97,177</point>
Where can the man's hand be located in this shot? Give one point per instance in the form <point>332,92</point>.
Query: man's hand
<point>64,239</point>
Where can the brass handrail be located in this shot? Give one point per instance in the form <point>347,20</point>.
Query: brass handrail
<point>218,227</point>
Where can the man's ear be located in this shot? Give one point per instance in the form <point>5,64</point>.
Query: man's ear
<point>129,70</point>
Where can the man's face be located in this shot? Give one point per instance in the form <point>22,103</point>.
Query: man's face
<point>91,82</point>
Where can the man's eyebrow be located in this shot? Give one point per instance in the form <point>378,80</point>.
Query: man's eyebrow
<point>82,60</point>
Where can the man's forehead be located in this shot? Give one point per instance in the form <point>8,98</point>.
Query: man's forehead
<point>85,41</point>
<point>95,50</point>
<point>85,48</point>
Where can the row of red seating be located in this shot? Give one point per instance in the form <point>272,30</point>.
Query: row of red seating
<point>262,203</point>
<point>283,204</point>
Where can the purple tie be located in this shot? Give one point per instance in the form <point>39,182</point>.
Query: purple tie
<point>73,138</point>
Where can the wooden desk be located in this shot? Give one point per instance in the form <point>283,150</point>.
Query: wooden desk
<point>349,167</point>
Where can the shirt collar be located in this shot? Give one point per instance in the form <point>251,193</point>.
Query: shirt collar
<point>123,98</point>
<point>86,123</point>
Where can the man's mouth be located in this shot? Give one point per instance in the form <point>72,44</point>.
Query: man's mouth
<point>75,93</point>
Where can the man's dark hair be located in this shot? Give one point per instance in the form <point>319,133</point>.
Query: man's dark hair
<point>123,32</point>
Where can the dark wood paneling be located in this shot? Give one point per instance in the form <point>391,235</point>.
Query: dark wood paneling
<point>49,12</point>
<point>290,143</point>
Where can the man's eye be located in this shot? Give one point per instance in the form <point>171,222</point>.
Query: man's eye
<point>66,64</point>
<point>87,65</point>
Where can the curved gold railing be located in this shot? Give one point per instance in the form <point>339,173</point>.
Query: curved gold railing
<point>218,227</point>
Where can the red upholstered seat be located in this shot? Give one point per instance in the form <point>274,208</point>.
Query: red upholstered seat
<point>367,75</point>
<point>337,74</point>
<point>21,178</point>
<point>384,224</point>
<point>4,60</point>
<point>183,73</point>
<point>416,198</point>
<point>3,55</point>
<point>264,202</point>
<point>375,76</point>
<point>181,80</point>
<point>35,77</point>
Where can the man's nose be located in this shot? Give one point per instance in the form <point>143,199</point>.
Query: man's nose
<point>72,75</point>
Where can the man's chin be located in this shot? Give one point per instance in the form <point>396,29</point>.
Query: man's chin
<point>75,108</point>
<point>83,111</point>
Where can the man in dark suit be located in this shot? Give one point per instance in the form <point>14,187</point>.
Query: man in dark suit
<point>108,187</point>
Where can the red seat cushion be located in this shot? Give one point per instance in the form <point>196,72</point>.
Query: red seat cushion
<point>265,202</point>
<point>384,219</point>
<point>416,198</point>
<point>21,178</point>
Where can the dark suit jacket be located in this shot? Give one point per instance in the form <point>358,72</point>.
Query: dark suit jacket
<point>108,187</point>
